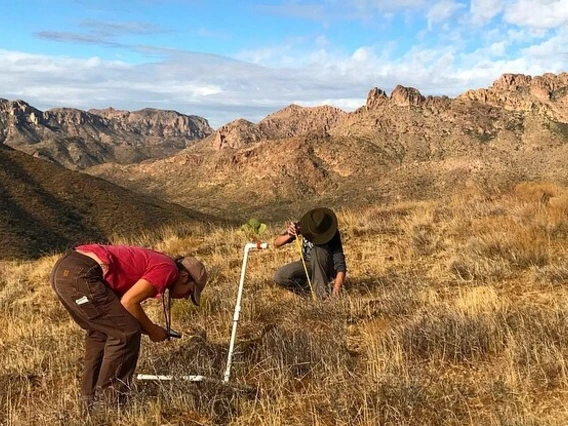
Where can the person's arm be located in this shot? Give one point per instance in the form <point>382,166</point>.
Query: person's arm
<point>131,301</point>
<point>339,280</point>
<point>288,237</point>
<point>339,264</point>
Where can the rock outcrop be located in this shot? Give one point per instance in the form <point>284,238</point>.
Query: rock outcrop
<point>546,94</point>
<point>154,122</point>
<point>376,98</point>
<point>405,109</point>
<point>403,96</point>
<point>406,96</point>
<point>237,134</point>
<point>289,122</point>
<point>78,139</point>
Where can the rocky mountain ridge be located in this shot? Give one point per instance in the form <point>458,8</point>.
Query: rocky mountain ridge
<point>546,95</point>
<point>405,145</point>
<point>78,139</point>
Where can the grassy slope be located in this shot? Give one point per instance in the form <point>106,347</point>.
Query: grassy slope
<point>453,314</point>
<point>45,207</point>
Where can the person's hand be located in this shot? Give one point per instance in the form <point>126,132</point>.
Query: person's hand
<point>157,334</point>
<point>292,229</point>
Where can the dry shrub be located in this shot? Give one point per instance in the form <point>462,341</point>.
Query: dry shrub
<point>309,342</point>
<point>417,400</point>
<point>387,220</point>
<point>521,248</point>
<point>420,186</point>
<point>526,233</point>
<point>495,182</point>
<point>443,214</point>
<point>452,337</point>
<point>554,274</point>
<point>387,302</point>
<point>424,240</point>
<point>425,229</point>
<point>405,279</point>
<point>474,268</point>
<point>192,355</point>
<point>538,331</point>
<point>537,192</point>
<point>552,218</point>
<point>467,331</point>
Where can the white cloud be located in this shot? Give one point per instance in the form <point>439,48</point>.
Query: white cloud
<point>282,54</point>
<point>441,11</point>
<point>361,55</point>
<point>329,11</point>
<point>525,35</point>
<point>483,11</point>
<point>543,14</point>
<point>221,89</point>
<point>554,49</point>
<point>497,49</point>
<point>347,104</point>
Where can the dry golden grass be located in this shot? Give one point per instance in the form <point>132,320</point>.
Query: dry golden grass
<point>454,313</point>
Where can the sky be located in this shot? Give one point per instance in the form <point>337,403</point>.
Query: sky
<point>229,59</point>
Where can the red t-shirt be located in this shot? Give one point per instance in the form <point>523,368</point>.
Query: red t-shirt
<point>126,265</point>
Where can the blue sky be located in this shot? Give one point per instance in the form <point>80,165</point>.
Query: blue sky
<point>225,60</point>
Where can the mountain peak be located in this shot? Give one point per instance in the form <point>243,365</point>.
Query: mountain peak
<point>290,121</point>
<point>406,96</point>
<point>511,82</point>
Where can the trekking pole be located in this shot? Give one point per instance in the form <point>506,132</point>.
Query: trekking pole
<point>249,246</point>
<point>299,245</point>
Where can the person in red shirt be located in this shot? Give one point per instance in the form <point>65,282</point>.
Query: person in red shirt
<point>102,287</point>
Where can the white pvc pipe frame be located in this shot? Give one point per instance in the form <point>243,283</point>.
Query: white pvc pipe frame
<point>236,315</point>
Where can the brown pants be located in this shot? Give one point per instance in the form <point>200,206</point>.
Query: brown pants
<point>112,343</point>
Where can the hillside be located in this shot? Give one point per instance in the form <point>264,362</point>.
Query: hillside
<point>77,139</point>
<point>45,208</point>
<point>402,146</point>
<point>453,314</point>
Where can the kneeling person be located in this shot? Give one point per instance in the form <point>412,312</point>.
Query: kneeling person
<point>322,252</point>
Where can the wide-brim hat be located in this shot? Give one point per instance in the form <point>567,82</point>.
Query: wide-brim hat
<point>319,225</point>
<point>198,274</point>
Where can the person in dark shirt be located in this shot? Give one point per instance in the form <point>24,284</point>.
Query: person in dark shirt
<point>322,252</point>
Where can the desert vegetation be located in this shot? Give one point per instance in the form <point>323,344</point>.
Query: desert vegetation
<point>453,313</point>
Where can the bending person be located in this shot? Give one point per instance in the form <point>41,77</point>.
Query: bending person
<point>102,287</point>
<point>322,252</point>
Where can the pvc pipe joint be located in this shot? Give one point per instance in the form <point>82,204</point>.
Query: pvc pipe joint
<point>258,245</point>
